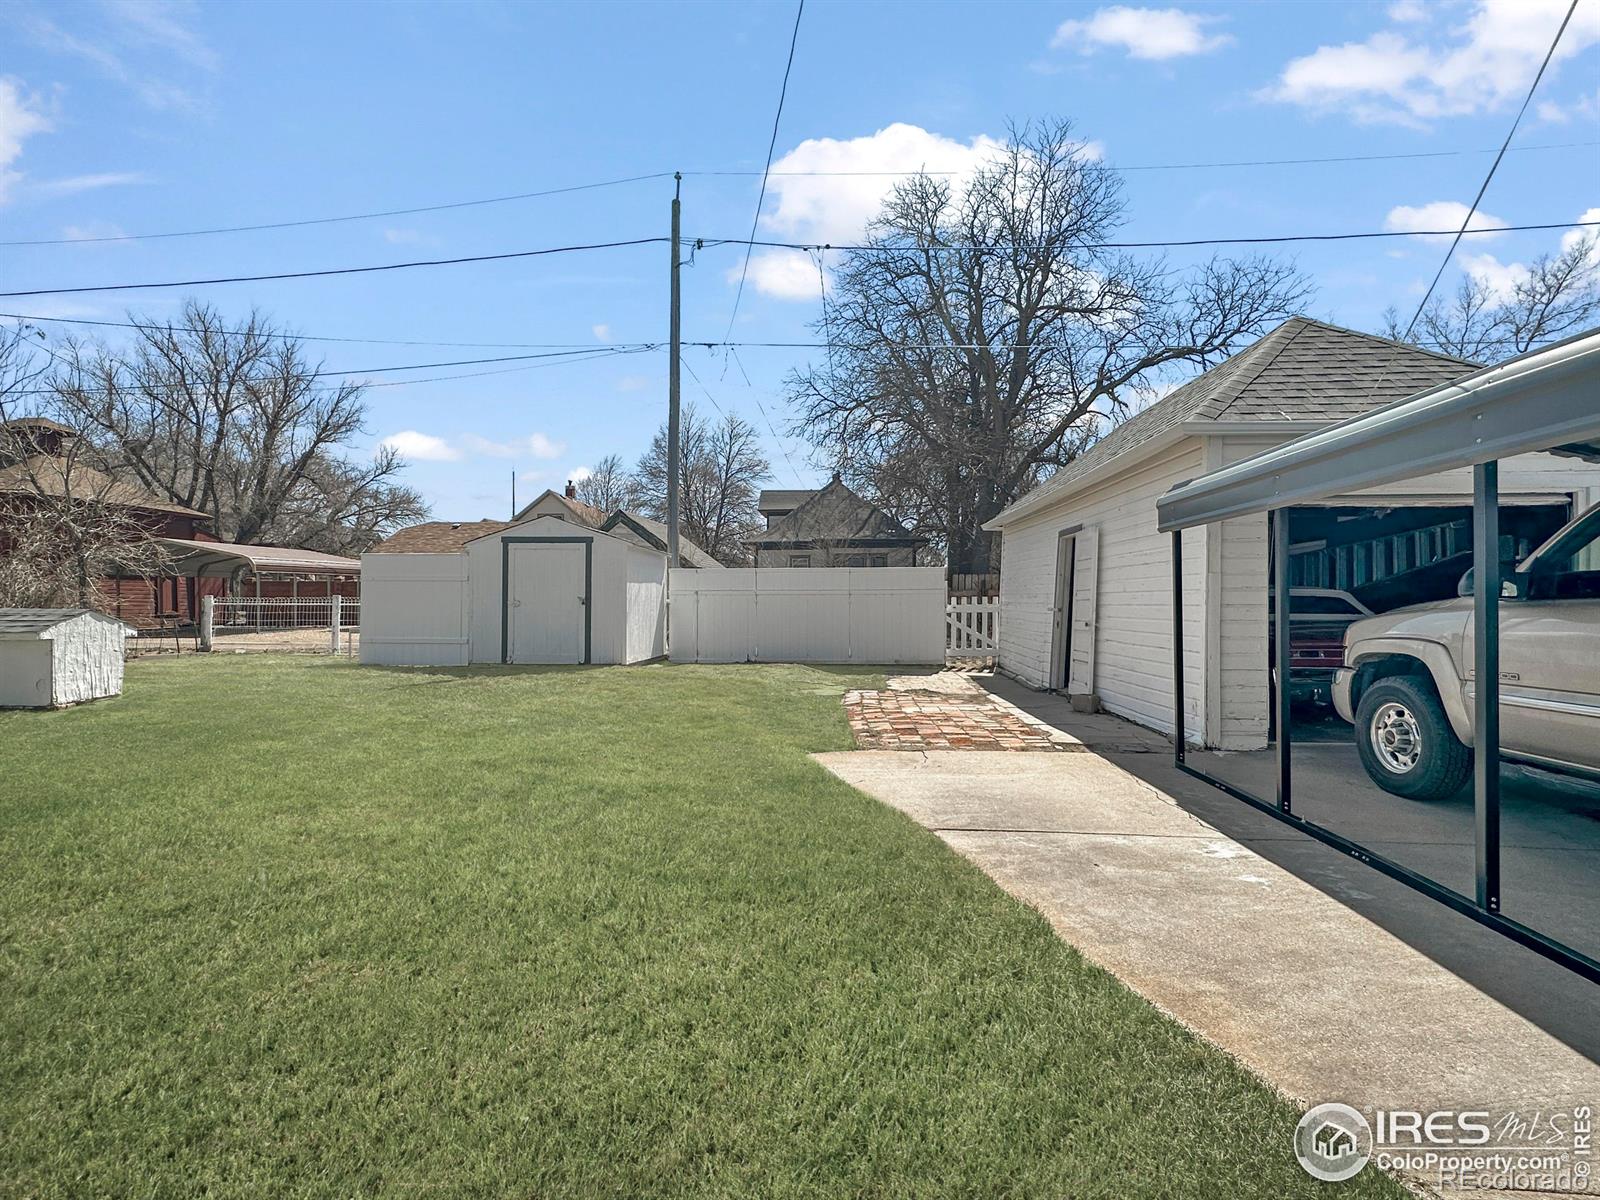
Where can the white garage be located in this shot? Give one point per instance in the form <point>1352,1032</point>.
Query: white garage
<point>52,657</point>
<point>544,590</point>
<point>1086,592</point>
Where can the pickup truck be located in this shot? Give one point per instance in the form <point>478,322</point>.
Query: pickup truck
<point>1407,680</point>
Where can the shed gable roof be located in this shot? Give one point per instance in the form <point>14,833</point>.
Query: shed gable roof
<point>1302,371</point>
<point>36,622</point>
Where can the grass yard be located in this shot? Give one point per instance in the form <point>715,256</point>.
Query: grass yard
<point>287,926</point>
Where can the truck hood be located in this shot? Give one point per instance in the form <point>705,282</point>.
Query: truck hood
<point>1438,621</point>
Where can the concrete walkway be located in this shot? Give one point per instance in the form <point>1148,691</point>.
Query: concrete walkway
<point>1311,995</point>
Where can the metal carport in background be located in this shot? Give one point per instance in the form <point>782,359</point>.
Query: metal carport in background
<point>1547,400</point>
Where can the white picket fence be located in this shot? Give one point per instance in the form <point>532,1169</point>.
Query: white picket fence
<point>972,627</point>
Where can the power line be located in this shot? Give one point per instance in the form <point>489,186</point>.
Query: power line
<point>1180,166</point>
<point>367,216</point>
<point>311,337</point>
<point>1494,166</point>
<point>772,145</point>
<point>560,357</point>
<point>948,247</point>
<point>400,266</point>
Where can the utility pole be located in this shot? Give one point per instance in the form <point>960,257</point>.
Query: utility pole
<point>673,381</point>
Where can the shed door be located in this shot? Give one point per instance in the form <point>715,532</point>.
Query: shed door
<point>548,596</point>
<point>1085,563</point>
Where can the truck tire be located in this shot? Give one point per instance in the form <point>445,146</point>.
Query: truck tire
<point>1406,743</point>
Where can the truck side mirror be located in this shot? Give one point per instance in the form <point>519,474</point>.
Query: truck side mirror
<point>1513,584</point>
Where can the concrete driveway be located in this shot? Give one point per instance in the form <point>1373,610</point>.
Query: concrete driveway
<point>1307,992</point>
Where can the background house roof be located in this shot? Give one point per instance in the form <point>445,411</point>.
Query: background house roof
<point>833,513</point>
<point>1304,370</point>
<point>782,500</point>
<point>655,534</point>
<point>437,537</point>
<point>584,514</point>
<point>41,474</point>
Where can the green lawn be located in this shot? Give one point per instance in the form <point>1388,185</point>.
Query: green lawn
<point>291,926</point>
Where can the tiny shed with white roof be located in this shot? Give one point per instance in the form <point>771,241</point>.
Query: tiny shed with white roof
<point>52,657</point>
<point>541,590</point>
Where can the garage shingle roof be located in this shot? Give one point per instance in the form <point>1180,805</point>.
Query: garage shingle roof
<point>1304,370</point>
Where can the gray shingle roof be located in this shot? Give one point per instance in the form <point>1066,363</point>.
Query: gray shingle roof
<point>654,534</point>
<point>29,622</point>
<point>782,500</point>
<point>1304,370</point>
<point>831,513</point>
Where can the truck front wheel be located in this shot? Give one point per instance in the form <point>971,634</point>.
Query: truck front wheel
<point>1406,743</point>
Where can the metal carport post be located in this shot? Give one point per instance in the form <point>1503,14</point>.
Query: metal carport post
<point>1543,400</point>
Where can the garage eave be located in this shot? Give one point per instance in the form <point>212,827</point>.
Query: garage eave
<point>1535,402</point>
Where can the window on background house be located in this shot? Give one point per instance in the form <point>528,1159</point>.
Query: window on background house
<point>799,560</point>
<point>879,560</point>
<point>856,560</point>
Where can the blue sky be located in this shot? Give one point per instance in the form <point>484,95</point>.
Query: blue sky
<point>122,118</point>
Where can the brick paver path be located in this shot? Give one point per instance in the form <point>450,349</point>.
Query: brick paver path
<point>908,720</point>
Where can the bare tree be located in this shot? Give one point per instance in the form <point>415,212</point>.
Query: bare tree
<point>986,335</point>
<point>720,470</point>
<point>236,423</point>
<point>64,525</point>
<point>1558,295</point>
<point>609,486</point>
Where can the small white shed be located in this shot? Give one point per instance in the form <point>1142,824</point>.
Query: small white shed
<point>543,590</point>
<point>52,657</point>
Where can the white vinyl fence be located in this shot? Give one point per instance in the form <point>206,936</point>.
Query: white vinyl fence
<point>972,627</point>
<point>807,614</point>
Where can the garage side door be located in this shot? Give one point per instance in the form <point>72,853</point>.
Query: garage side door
<point>1085,587</point>
<point>548,597</point>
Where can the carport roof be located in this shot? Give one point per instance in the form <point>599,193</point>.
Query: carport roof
<point>1302,371</point>
<point>221,559</point>
<point>1542,400</point>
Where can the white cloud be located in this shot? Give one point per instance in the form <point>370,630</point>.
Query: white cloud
<point>402,237</point>
<point>1440,65</point>
<point>1585,108</point>
<point>634,383</point>
<point>1574,237</point>
<point>579,474</point>
<point>1438,215</point>
<point>74,185</point>
<point>92,231</point>
<point>1408,11</point>
<point>535,444</point>
<point>134,43</point>
<point>420,447</point>
<point>835,207</point>
<point>1500,278</point>
<point>20,118</point>
<point>602,333</point>
<point>1149,33</point>
<point>544,447</point>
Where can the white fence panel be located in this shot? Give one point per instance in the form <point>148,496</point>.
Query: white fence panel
<point>972,627</point>
<point>807,614</point>
<point>416,610</point>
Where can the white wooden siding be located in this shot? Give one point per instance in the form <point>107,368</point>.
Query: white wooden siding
<point>647,583</point>
<point>817,614</point>
<point>1133,612</point>
<point>414,610</point>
